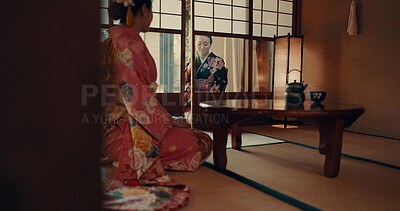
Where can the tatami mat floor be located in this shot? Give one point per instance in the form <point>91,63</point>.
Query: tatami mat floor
<point>295,169</point>
<point>285,172</point>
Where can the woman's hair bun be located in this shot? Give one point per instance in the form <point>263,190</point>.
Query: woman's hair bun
<point>117,11</point>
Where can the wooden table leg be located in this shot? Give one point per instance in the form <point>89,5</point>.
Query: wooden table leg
<point>220,135</point>
<point>323,136</point>
<point>331,138</point>
<point>236,136</point>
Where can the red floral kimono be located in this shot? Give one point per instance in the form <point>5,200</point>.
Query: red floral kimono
<point>138,131</point>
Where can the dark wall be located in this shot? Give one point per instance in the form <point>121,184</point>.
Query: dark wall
<point>49,157</point>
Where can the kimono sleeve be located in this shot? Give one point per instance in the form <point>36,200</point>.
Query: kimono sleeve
<point>138,94</point>
<point>220,76</point>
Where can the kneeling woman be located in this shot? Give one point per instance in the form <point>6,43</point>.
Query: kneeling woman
<point>140,136</point>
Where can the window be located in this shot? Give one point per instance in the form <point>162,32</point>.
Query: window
<point>269,17</point>
<point>163,41</point>
<point>234,23</point>
<point>245,34</point>
<point>272,17</point>
<point>167,14</point>
<point>165,49</point>
<point>224,16</point>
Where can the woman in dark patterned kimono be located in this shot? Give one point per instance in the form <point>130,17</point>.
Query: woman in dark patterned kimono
<point>210,71</point>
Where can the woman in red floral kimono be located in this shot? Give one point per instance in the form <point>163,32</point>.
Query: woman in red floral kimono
<point>140,136</point>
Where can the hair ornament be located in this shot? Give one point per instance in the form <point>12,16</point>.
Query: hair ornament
<point>130,18</point>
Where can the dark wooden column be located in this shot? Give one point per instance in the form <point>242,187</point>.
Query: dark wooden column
<point>49,153</point>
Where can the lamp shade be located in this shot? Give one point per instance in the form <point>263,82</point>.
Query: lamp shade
<point>288,62</point>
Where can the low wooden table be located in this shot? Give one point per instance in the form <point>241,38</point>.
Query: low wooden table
<point>329,119</point>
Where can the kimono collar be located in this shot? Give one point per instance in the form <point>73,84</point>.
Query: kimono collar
<point>202,60</point>
<point>119,30</point>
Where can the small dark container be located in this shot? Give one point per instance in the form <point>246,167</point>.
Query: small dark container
<point>317,96</point>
